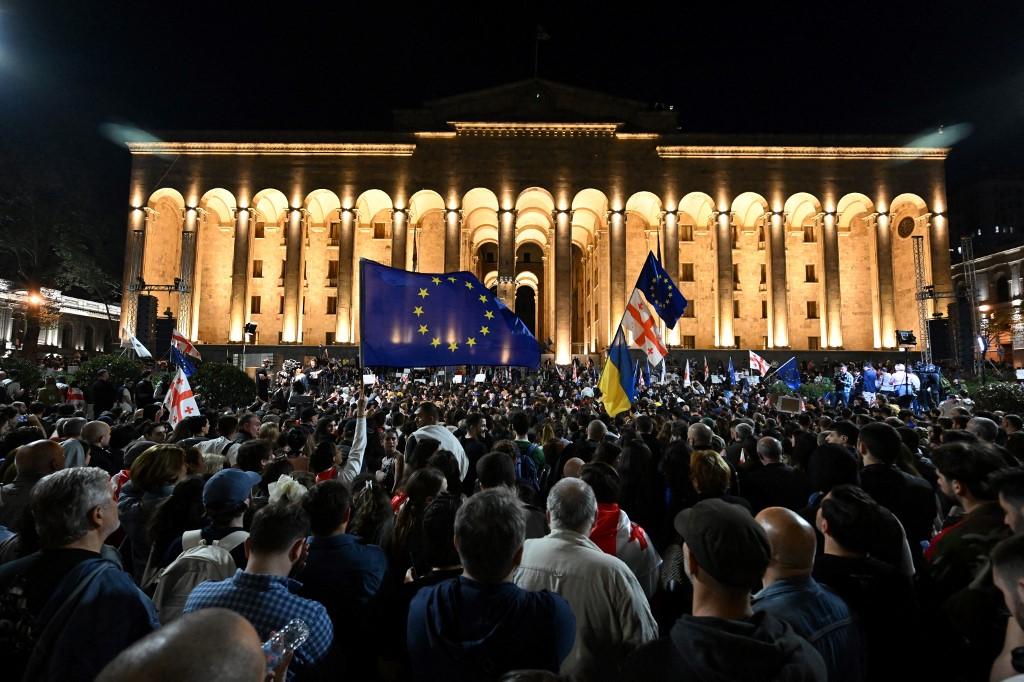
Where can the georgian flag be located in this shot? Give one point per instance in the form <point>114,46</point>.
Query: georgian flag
<point>759,363</point>
<point>179,341</point>
<point>179,402</point>
<point>640,322</point>
<point>686,375</point>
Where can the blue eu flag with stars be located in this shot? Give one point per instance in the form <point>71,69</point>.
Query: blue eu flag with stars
<point>660,291</point>
<point>411,319</point>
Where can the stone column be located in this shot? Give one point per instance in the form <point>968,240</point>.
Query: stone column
<point>1015,288</point>
<point>832,300</point>
<point>886,298</point>
<point>563,287</point>
<point>240,276</point>
<point>725,336</point>
<point>452,239</point>
<point>778,296</point>
<point>133,254</point>
<point>938,245</point>
<point>670,252</point>
<point>6,325</point>
<point>346,267</point>
<point>188,271</point>
<point>507,258</point>
<point>616,270</point>
<point>399,237</point>
<point>291,322</point>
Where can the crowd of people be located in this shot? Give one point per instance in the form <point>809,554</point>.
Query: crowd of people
<point>509,529</point>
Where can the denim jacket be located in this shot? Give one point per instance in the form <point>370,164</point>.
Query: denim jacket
<point>822,618</point>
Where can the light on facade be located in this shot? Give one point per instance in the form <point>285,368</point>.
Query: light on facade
<point>984,307</point>
<point>1015,302</point>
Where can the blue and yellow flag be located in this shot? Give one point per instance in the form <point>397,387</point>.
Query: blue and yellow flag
<point>410,319</point>
<point>618,390</point>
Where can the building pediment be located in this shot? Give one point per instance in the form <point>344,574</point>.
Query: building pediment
<point>535,101</point>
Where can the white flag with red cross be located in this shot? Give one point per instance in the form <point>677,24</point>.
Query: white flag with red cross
<point>179,341</point>
<point>180,402</point>
<point>759,363</point>
<point>639,320</point>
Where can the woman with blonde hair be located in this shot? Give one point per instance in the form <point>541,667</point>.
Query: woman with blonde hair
<point>153,476</point>
<point>711,476</point>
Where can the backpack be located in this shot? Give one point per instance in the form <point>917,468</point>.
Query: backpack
<point>526,468</point>
<point>199,561</point>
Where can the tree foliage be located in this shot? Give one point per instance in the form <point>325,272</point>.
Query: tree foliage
<point>24,372</point>
<point>222,385</point>
<point>124,371</point>
<point>1000,395</point>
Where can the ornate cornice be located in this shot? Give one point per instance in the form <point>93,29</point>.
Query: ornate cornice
<point>741,152</point>
<point>501,129</point>
<point>269,149</point>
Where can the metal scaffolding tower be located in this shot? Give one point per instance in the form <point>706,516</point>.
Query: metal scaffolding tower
<point>922,296</point>
<point>971,283</point>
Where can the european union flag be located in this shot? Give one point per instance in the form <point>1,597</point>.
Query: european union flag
<point>410,319</point>
<point>660,291</point>
<point>179,359</point>
<point>789,373</point>
<point>731,372</point>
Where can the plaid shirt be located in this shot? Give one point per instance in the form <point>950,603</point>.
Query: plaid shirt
<point>268,602</point>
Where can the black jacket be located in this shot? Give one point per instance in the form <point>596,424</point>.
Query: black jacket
<point>762,648</point>
<point>775,485</point>
<point>910,498</point>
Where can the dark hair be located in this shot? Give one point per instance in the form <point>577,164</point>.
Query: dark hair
<point>307,413</point>
<point>970,464</point>
<point>439,531</point>
<point>227,424</point>
<point>848,429</point>
<point>881,441</point>
<point>607,452</point>
<point>180,512</point>
<point>831,465</point>
<point>520,423</point>
<point>445,462</point>
<point>323,456</point>
<point>273,471</point>
<point>421,452</point>
<point>423,484</point>
<point>252,453</point>
<point>604,479</point>
<point>1008,558</point>
<point>327,505</point>
<point>1009,482</point>
<point>1015,420</point>
<point>276,527</point>
<point>371,508</point>
<point>494,469</point>
<point>853,517</point>
<point>472,419</point>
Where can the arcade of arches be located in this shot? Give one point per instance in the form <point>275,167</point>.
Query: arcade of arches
<point>798,271</point>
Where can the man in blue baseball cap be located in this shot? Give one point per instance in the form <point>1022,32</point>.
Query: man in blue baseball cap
<point>226,497</point>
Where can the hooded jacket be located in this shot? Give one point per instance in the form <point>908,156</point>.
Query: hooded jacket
<point>762,648</point>
<point>465,630</point>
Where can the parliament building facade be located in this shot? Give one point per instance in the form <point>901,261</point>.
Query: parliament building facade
<point>553,196</point>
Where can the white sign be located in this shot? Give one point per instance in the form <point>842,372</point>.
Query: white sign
<point>457,379</point>
<point>1020,375</point>
<point>479,379</point>
<point>369,379</point>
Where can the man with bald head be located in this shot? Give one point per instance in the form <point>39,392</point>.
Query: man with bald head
<point>32,461</point>
<point>775,484</point>
<point>212,644</point>
<point>791,594</point>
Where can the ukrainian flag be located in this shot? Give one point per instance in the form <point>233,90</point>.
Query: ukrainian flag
<point>617,388</point>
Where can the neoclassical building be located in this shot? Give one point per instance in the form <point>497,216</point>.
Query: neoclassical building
<point>552,196</point>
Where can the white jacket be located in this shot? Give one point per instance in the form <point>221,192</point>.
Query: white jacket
<point>612,614</point>
<point>448,442</point>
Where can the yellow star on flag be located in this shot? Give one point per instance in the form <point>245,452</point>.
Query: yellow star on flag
<point>483,299</point>
<point>489,315</point>
<point>435,280</point>
<point>469,285</point>
<point>435,342</point>
<point>452,279</point>
<point>471,342</point>
<point>424,329</point>
<point>453,346</point>
<point>423,293</point>
<point>485,330</point>
<point>417,311</point>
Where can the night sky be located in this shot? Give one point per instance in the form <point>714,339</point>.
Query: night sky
<point>70,69</point>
